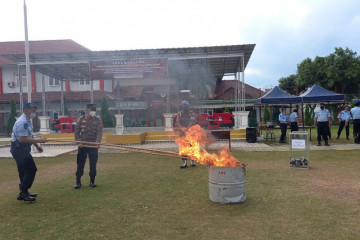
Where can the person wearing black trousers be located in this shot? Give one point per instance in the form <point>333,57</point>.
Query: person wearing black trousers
<point>344,117</point>
<point>283,119</point>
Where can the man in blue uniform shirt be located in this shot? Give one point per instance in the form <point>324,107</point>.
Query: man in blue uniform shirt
<point>21,140</point>
<point>323,123</point>
<point>294,121</point>
<point>344,117</point>
<point>355,112</point>
<point>283,119</point>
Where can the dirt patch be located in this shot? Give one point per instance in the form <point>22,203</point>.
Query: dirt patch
<point>335,183</point>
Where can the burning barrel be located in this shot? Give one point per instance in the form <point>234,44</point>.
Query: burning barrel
<point>227,184</point>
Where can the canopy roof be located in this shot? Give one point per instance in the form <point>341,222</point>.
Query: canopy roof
<point>319,94</point>
<point>204,62</point>
<point>277,96</point>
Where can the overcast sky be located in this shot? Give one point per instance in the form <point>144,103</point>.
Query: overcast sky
<point>285,31</point>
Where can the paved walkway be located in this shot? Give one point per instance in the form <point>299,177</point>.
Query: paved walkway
<point>51,150</point>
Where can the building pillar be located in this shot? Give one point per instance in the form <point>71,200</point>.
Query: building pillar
<point>241,119</point>
<point>1,82</point>
<point>169,123</point>
<point>33,81</point>
<point>119,124</point>
<point>67,85</point>
<point>44,124</point>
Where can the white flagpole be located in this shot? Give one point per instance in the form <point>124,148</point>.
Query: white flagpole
<point>28,79</point>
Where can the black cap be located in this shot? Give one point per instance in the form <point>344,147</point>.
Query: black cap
<point>91,106</point>
<point>322,103</point>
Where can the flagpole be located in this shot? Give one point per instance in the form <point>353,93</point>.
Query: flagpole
<point>28,80</point>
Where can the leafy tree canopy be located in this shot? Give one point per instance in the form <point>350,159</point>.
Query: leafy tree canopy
<point>339,71</point>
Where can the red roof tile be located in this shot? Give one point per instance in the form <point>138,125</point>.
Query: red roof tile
<point>227,87</point>
<point>45,46</point>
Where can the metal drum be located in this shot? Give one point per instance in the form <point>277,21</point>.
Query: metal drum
<point>227,184</point>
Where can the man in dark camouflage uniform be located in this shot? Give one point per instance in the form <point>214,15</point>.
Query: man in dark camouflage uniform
<point>89,128</point>
<point>185,119</point>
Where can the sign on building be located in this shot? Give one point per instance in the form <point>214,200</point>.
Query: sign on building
<point>125,69</point>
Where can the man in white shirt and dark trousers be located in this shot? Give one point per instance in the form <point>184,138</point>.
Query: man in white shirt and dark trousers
<point>344,117</point>
<point>355,112</point>
<point>294,121</point>
<point>323,123</point>
<point>283,119</point>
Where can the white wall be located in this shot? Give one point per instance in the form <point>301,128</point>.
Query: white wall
<point>9,75</point>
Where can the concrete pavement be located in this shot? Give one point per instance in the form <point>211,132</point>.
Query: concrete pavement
<point>52,150</point>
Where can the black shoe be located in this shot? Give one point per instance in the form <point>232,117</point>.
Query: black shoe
<point>26,197</point>
<point>77,185</point>
<point>183,166</point>
<point>319,144</point>
<point>33,195</point>
<point>326,144</point>
<point>93,184</point>
<point>347,138</point>
<point>193,165</point>
<point>338,138</point>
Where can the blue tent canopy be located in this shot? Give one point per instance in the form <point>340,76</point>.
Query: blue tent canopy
<point>319,94</point>
<point>277,96</point>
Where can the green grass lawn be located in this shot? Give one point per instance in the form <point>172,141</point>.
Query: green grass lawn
<point>148,197</point>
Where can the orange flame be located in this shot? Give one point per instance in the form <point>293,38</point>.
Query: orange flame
<point>192,145</point>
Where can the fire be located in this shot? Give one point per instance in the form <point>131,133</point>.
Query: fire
<point>192,145</point>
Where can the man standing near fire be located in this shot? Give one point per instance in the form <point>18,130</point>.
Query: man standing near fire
<point>89,128</point>
<point>185,119</point>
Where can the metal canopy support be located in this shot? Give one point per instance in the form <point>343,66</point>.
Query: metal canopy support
<point>21,89</point>
<point>243,84</point>
<point>28,74</point>
<point>43,93</point>
<point>62,99</point>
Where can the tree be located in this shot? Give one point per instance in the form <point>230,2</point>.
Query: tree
<point>308,120</point>
<point>288,84</point>
<point>266,113</point>
<point>339,71</point>
<point>105,114</point>
<point>344,70</point>
<point>12,116</point>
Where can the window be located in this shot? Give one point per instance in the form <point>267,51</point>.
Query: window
<point>54,82</point>
<point>84,81</point>
<point>24,80</point>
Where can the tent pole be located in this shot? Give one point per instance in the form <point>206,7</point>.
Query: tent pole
<point>302,112</point>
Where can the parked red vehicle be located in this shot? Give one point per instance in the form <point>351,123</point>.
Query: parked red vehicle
<point>64,124</point>
<point>214,121</point>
